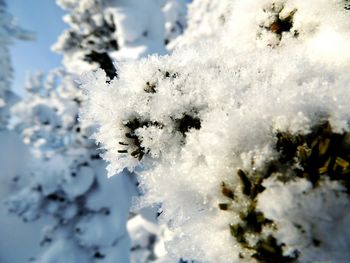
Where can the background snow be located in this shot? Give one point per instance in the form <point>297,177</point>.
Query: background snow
<point>66,184</point>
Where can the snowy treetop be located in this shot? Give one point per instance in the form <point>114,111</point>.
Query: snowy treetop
<point>9,31</point>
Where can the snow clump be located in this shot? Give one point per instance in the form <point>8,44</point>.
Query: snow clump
<point>243,139</point>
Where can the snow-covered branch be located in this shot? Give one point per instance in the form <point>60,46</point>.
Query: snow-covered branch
<point>242,136</point>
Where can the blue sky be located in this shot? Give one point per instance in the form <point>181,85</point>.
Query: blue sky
<point>44,18</point>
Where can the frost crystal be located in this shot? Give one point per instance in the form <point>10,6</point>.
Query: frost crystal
<point>243,140</point>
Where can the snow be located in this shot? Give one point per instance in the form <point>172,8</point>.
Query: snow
<point>188,122</point>
<point>14,155</point>
<point>319,211</point>
<point>9,32</point>
<point>14,159</point>
<point>145,246</point>
<point>135,29</point>
<point>67,181</point>
<point>175,13</point>
<point>224,124</point>
<point>205,20</point>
